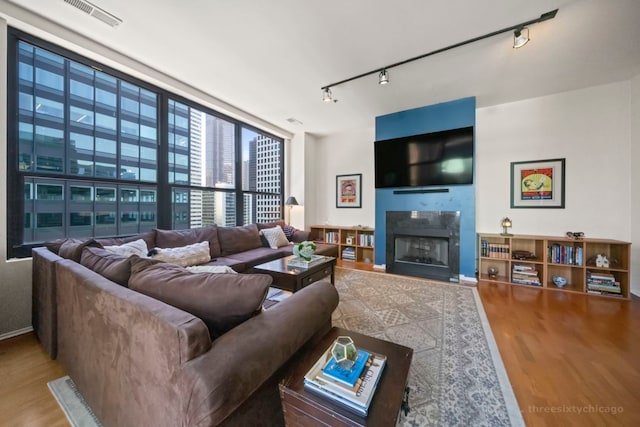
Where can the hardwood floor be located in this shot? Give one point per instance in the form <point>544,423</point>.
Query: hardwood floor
<point>25,369</point>
<point>573,360</point>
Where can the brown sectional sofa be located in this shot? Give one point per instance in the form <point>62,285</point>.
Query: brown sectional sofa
<point>149,343</point>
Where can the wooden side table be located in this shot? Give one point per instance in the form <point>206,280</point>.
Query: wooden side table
<point>304,408</point>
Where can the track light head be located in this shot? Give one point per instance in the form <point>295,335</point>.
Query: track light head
<point>520,38</point>
<point>326,95</point>
<point>383,77</point>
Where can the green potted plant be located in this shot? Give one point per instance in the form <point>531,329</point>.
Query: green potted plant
<point>304,250</point>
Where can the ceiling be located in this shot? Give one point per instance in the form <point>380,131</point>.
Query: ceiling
<point>270,58</point>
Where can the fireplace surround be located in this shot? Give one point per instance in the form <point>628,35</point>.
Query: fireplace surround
<point>423,244</point>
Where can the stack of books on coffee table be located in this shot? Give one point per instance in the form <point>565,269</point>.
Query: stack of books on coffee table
<point>352,388</point>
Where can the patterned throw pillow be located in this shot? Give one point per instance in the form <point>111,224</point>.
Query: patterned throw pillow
<point>275,236</point>
<point>289,231</point>
<point>185,256</point>
<point>137,247</point>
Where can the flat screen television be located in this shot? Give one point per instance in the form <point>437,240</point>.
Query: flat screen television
<point>431,159</point>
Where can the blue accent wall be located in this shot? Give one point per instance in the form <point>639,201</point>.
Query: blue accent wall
<point>432,118</point>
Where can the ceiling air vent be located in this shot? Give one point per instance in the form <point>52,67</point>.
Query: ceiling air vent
<point>95,11</point>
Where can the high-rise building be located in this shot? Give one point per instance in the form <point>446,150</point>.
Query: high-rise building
<point>220,151</point>
<point>267,178</point>
<point>195,151</point>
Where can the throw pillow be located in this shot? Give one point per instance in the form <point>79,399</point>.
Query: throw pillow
<point>211,269</point>
<point>178,238</point>
<point>275,236</point>
<point>197,253</point>
<point>289,231</point>
<point>137,247</point>
<point>222,301</point>
<point>72,248</point>
<point>116,268</point>
<point>238,239</point>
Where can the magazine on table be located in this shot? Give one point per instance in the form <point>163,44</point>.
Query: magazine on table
<point>356,399</point>
<point>349,377</point>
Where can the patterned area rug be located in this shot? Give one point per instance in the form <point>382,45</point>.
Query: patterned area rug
<point>72,404</point>
<point>457,377</point>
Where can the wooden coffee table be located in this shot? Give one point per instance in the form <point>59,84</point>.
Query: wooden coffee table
<point>304,408</point>
<point>292,278</point>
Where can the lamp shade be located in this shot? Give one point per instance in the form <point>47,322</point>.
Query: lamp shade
<point>291,201</point>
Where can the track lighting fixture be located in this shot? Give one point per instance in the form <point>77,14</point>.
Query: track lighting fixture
<point>520,38</point>
<point>326,95</point>
<point>383,77</point>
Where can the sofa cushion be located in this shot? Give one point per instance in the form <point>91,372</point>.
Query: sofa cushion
<point>275,237</point>
<point>238,239</point>
<point>72,248</point>
<point>222,301</point>
<point>257,256</point>
<point>114,267</point>
<point>177,238</point>
<point>149,238</point>
<point>55,245</point>
<point>237,265</point>
<point>185,256</point>
<point>218,269</point>
<point>137,247</point>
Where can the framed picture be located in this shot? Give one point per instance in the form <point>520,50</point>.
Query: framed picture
<point>537,184</point>
<point>349,191</point>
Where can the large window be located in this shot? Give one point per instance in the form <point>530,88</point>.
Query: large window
<point>91,153</point>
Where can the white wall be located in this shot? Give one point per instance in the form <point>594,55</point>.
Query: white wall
<point>635,184</point>
<point>297,178</point>
<point>15,276</point>
<point>342,154</point>
<point>590,128</point>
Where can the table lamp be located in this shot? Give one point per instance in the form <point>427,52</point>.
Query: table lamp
<point>506,224</point>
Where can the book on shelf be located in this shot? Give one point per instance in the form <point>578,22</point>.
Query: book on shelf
<point>346,376</point>
<point>526,282</point>
<point>365,239</point>
<point>615,288</point>
<point>613,294</point>
<point>356,399</point>
<point>563,254</point>
<point>525,275</point>
<point>523,268</point>
<point>600,275</point>
<point>349,253</point>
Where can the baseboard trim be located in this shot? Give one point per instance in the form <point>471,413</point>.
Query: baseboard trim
<point>465,279</point>
<point>635,293</point>
<point>16,333</point>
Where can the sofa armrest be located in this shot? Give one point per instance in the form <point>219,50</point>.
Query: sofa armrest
<point>44,313</point>
<point>244,358</point>
<point>123,349</point>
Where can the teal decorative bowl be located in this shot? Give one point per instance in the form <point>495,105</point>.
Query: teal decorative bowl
<point>559,281</point>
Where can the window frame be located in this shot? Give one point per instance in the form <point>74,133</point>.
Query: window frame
<point>16,248</point>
